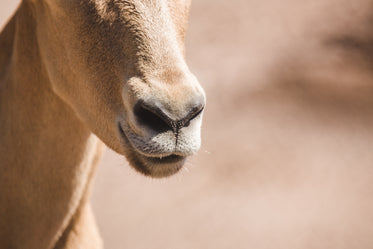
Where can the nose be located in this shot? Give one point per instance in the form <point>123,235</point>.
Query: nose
<point>161,118</point>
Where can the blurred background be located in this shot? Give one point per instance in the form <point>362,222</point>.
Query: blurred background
<point>287,158</point>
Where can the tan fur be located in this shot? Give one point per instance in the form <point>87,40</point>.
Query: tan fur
<point>70,68</point>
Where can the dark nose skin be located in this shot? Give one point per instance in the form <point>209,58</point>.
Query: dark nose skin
<point>152,114</point>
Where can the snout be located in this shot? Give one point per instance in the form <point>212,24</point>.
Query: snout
<point>162,124</point>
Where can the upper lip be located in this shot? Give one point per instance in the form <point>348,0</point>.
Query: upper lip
<point>169,156</point>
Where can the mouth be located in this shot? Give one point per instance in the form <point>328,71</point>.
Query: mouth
<point>166,159</point>
<point>156,166</point>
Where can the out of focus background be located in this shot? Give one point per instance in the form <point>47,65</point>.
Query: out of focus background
<point>287,158</point>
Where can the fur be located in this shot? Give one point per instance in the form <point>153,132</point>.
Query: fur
<point>70,75</point>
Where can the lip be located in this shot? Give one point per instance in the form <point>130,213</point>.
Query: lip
<point>155,166</point>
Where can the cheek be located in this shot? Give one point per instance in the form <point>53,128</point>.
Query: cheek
<point>78,72</point>
<point>54,40</point>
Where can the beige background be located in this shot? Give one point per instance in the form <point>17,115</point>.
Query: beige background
<point>287,156</point>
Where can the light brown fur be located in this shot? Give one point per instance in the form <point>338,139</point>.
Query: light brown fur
<point>70,68</point>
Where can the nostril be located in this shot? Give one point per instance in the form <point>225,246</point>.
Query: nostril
<point>193,113</point>
<point>153,117</point>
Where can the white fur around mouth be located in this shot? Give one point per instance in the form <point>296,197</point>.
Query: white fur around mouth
<point>149,148</point>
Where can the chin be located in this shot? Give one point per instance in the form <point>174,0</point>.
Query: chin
<point>156,167</point>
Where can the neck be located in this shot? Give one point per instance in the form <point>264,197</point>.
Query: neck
<point>47,154</point>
